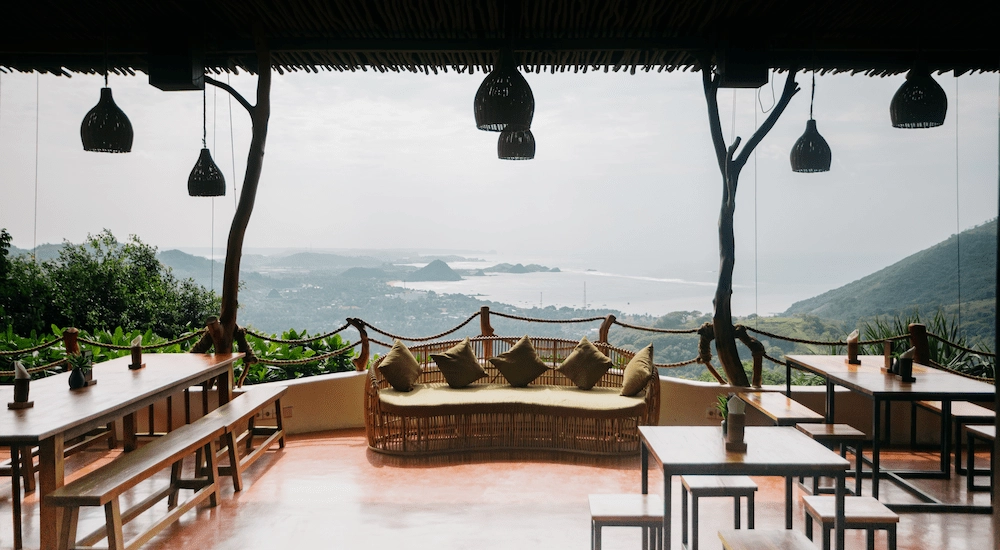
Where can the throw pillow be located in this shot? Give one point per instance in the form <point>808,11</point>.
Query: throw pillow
<point>585,365</point>
<point>459,365</point>
<point>400,368</point>
<point>520,364</point>
<point>637,372</point>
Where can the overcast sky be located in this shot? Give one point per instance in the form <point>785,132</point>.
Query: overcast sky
<point>624,172</point>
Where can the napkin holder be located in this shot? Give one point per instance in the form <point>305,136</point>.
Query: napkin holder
<point>735,428</point>
<point>137,354</point>
<point>905,370</point>
<point>21,395</point>
<point>887,354</point>
<point>852,349</point>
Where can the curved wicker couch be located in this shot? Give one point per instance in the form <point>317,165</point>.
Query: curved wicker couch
<point>509,424</point>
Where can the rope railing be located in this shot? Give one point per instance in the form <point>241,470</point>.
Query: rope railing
<point>659,330</point>
<point>825,343</point>
<point>421,338</point>
<point>555,321</point>
<point>311,339</point>
<point>35,369</point>
<point>306,360</point>
<point>379,342</point>
<point>961,347</point>
<point>33,349</point>
<point>676,365</point>
<point>184,338</point>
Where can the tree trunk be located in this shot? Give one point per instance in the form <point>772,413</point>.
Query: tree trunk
<point>730,166</point>
<point>259,113</point>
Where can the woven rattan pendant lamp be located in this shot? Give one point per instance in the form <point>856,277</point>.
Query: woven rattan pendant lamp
<point>504,98</point>
<point>516,144</point>
<point>206,180</point>
<point>105,128</point>
<point>920,102</point>
<point>811,153</point>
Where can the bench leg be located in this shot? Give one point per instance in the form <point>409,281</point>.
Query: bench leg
<point>249,440</point>
<point>597,537</point>
<point>827,528</point>
<point>871,539</point>
<point>69,521</point>
<point>891,534</point>
<point>736,515</point>
<point>175,476</point>
<point>234,460</point>
<point>684,514</point>
<point>750,511</point>
<point>113,517</point>
<point>281,423</point>
<point>788,503</point>
<point>694,521</point>
<point>212,471</point>
<point>809,526</point>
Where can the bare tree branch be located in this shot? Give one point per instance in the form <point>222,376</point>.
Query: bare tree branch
<point>791,88</point>
<point>711,97</point>
<point>232,92</point>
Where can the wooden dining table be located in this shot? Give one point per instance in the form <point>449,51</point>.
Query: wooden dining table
<point>771,451</point>
<point>60,414</point>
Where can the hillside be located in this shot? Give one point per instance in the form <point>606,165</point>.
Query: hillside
<point>434,271</point>
<point>924,281</point>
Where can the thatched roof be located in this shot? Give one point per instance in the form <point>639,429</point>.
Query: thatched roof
<point>872,36</point>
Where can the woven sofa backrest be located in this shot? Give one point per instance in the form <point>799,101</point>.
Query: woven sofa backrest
<point>553,351</point>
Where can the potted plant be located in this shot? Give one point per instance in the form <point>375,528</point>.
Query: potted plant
<point>82,374</point>
<point>722,403</point>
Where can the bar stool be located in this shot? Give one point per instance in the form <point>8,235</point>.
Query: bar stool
<point>984,433</point>
<point>859,513</point>
<point>631,510</point>
<point>714,486</point>
<point>838,434</point>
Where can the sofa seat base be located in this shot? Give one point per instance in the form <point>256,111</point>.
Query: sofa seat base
<point>434,399</point>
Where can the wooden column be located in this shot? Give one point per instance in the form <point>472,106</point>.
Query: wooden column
<point>361,361</point>
<point>485,329</point>
<point>70,342</point>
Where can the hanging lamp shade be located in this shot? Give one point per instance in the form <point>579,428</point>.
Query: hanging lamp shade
<point>811,153</point>
<point>504,98</point>
<point>919,103</point>
<point>106,128</point>
<point>516,144</point>
<point>206,180</point>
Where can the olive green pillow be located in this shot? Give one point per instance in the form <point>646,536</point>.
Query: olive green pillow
<point>520,364</point>
<point>459,365</point>
<point>585,365</point>
<point>638,371</point>
<point>400,368</point>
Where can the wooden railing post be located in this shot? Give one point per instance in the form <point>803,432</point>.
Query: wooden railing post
<point>70,336</point>
<point>918,339</point>
<point>361,361</point>
<point>486,330</point>
<point>602,335</point>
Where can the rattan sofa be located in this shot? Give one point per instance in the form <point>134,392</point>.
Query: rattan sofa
<point>551,414</point>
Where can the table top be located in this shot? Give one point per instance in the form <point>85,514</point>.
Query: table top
<point>868,378</point>
<point>118,391</point>
<point>771,450</point>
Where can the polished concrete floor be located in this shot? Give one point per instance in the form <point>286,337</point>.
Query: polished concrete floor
<point>328,490</point>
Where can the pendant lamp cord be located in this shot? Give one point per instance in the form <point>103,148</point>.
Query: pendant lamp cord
<point>105,61</point>
<point>204,120</point>
<point>812,98</point>
<point>958,222</point>
<point>232,147</point>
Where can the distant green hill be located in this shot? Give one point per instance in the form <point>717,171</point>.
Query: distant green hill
<point>434,271</point>
<point>925,281</point>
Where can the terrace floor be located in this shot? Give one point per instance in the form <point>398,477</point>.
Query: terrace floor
<point>328,490</point>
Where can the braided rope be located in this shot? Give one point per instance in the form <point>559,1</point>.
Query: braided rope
<point>939,366</point>
<point>39,347</point>
<point>960,347</point>
<point>39,368</point>
<point>554,321</point>
<point>379,342</point>
<point>184,338</point>
<point>422,338</point>
<point>305,360</point>
<point>660,330</point>
<point>773,360</point>
<point>822,343</point>
<point>267,338</point>
<point>676,365</point>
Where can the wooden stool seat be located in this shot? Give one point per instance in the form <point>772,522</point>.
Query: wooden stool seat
<point>627,510</point>
<point>859,513</point>
<point>782,410</point>
<point>770,539</point>
<point>843,435</point>
<point>714,486</point>
<point>962,413</point>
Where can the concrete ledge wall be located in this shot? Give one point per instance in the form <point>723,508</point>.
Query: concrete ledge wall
<point>336,401</point>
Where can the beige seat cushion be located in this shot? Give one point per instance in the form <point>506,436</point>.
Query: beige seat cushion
<point>459,365</point>
<point>400,368</point>
<point>434,399</point>
<point>638,371</point>
<point>520,364</point>
<point>585,365</point>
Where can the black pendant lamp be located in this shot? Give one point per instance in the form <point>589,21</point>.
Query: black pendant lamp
<point>811,153</point>
<point>920,102</point>
<point>516,144</point>
<point>504,98</point>
<point>105,128</point>
<point>206,180</point>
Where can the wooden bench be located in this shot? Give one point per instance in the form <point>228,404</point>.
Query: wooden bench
<point>243,409</point>
<point>843,435</point>
<point>770,539</point>
<point>714,486</point>
<point>628,510</point>
<point>962,413</point>
<point>104,486</point>
<point>782,410</point>
<point>859,513</point>
<point>985,433</point>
